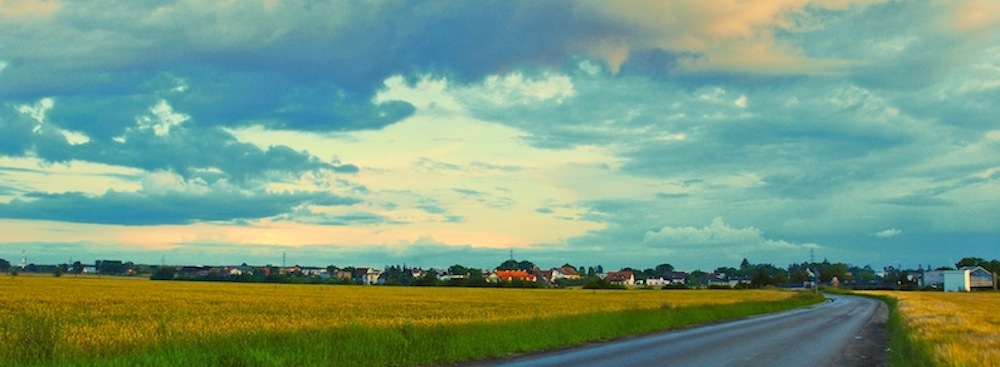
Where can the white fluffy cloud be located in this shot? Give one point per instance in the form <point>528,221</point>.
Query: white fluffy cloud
<point>888,233</point>
<point>718,236</point>
<point>723,243</point>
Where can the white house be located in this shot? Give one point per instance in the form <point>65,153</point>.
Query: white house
<point>624,277</point>
<point>657,281</point>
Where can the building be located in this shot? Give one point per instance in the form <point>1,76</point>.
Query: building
<point>966,279</point>
<point>367,276</point>
<point>566,272</point>
<point>624,277</point>
<point>510,275</point>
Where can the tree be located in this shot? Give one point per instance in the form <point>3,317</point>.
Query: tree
<point>475,278</point>
<point>164,273</point>
<point>508,265</point>
<point>60,270</point>
<point>761,280</point>
<point>113,267</point>
<point>4,266</point>
<point>77,268</point>
<point>725,270</point>
<point>525,265</point>
<point>430,279</point>
<point>458,270</point>
<point>994,266</point>
<point>971,261</point>
<point>600,269</point>
<point>664,269</point>
<point>744,264</point>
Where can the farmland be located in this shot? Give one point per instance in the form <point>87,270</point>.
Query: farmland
<point>949,329</point>
<point>113,321</point>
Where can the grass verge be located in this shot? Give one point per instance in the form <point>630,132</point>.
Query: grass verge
<point>905,350</point>
<point>410,345</point>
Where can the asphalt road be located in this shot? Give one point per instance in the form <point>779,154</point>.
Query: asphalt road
<point>844,331</point>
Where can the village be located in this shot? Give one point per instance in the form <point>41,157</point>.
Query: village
<point>970,274</point>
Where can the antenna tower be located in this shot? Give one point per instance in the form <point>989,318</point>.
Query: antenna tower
<point>812,256</point>
<point>512,254</point>
<point>24,258</point>
<point>284,257</point>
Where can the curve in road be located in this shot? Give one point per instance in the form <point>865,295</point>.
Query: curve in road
<point>844,331</point>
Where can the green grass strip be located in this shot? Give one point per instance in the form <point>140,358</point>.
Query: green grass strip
<point>410,345</point>
<point>905,350</point>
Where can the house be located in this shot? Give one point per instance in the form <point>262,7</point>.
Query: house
<point>677,277</point>
<point>624,277</point>
<point>546,276</point>
<point>194,271</point>
<point>565,272</point>
<point>231,271</point>
<point>932,278</point>
<point>661,281</point>
<point>312,271</point>
<point>367,276</point>
<point>342,275</point>
<point>497,276</point>
<point>446,277</point>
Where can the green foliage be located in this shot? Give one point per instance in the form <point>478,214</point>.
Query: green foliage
<point>164,273</point>
<point>601,283</point>
<point>904,349</point>
<point>430,279</point>
<point>4,266</point>
<point>508,265</point>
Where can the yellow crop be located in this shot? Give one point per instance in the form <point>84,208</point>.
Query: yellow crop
<point>114,315</point>
<point>962,328</point>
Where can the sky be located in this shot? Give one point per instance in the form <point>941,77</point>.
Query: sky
<point>432,133</point>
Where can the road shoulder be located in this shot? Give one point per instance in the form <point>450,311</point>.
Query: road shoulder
<point>869,347</point>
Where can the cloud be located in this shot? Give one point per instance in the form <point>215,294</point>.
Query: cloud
<point>716,234</point>
<point>708,36</point>
<point>28,8</point>
<point>164,200</point>
<point>163,139</point>
<point>719,240</point>
<point>978,17</point>
<point>888,233</point>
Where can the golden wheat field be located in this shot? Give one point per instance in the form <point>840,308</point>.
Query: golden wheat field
<point>963,329</point>
<point>113,315</point>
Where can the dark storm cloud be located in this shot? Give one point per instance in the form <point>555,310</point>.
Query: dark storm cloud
<point>127,208</point>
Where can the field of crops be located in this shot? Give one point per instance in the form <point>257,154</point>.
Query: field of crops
<point>957,329</point>
<point>66,319</point>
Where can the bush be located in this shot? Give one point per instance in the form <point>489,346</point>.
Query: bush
<point>602,284</point>
<point>676,286</point>
<point>164,273</point>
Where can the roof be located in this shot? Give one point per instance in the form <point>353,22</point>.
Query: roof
<point>514,274</point>
<point>619,275</point>
<point>568,270</point>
